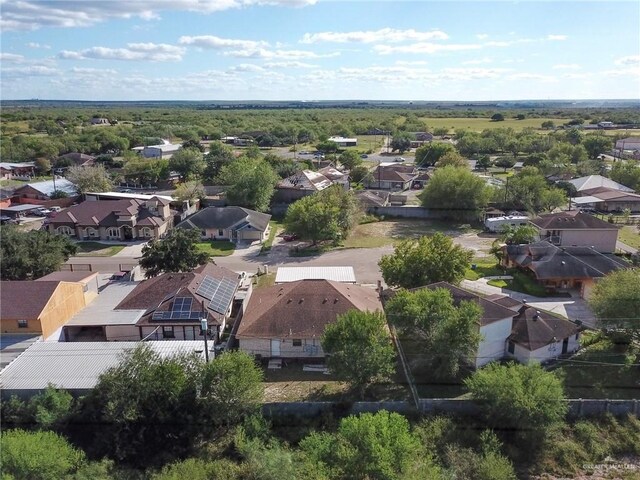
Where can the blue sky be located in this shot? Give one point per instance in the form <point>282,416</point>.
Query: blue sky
<point>319,50</point>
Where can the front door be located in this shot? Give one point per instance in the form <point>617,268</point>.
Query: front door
<point>127,232</point>
<point>565,345</point>
<point>275,348</point>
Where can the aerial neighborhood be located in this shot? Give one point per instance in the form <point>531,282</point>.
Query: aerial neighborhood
<point>363,265</point>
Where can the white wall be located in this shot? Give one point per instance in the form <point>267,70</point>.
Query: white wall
<point>548,352</point>
<point>310,347</point>
<point>493,343</point>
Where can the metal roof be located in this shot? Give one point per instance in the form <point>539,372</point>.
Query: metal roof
<point>13,344</point>
<point>77,365</point>
<point>336,274</point>
<point>101,310</point>
<point>135,196</point>
<point>21,208</point>
<point>47,187</point>
<point>584,200</point>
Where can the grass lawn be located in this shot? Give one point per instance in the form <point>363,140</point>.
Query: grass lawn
<point>216,248</point>
<point>630,235</point>
<point>602,370</point>
<point>479,124</point>
<point>520,283</point>
<point>483,269</point>
<point>265,280</point>
<point>389,232</point>
<point>276,226</point>
<point>97,249</point>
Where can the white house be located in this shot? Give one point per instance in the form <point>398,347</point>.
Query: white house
<point>160,151</point>
<point>344,142</point>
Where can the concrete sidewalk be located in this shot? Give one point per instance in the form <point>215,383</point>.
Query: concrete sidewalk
<point>573,308</point>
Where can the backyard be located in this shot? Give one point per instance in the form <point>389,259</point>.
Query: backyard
<point>216,248</point>
<point>630,235</point>
<point>97,249</point>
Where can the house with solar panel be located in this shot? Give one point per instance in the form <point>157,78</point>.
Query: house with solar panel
<point>171,305</point>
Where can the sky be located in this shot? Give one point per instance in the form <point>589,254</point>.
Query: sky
<point>318,50</point>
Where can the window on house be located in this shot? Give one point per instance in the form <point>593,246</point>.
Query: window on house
<point>577,335</point>
<point>113,232</point>
<point>23,324</point>
<point>297,342</point>
<point>167,332</point>
<point>511,348</point>
<point>64,230</point>
<point>220,232</point>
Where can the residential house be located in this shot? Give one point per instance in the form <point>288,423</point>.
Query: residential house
<point>628,144</point>
<point>562,268</point>
<point>391,176</point>
<point>420,138</point>
<point>288,320</point>
<point>75,367</point>
<point>114,220</point>
<point>174,304</point>
<point>160,151</point>
<point>344,142</point>
<point>539,337</point>
<point>10,171</point>
<point>575,228</point>
<point>229,223</point>
<point>78,159</point>
<point>606,199</point>
<point>99,121</point>
<point>371,200</point>
<point>44,193</point>
<point>336,176</point>
<point>511,329</point>
<point>421,179</point>
<point>591,182</point>
<point>38,307</point>
<point>299,185</point>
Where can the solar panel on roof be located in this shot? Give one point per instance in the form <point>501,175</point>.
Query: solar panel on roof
<point>182,304</point>
<point>208,287</point>
<point>223,296</point>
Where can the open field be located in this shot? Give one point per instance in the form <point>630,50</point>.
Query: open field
<point>97,249</point>
<point>216,248</point>
<point>479,124</point>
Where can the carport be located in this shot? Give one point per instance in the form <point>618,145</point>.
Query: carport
<point>17,211</point>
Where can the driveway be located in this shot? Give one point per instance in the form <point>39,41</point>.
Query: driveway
<point>573,308</point>
<point>133,249</point>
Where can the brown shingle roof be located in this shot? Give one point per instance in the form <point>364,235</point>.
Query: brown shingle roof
<point>66,276</point>
<point>534,329</point>
<point>302,309</point>
<point>157,293</point>
<point>24,299</point>
<point>571,220</point>
<point>104,213</point>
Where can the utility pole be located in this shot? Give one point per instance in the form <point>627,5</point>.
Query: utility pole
<point>205,327</point>
<point>506,189</point>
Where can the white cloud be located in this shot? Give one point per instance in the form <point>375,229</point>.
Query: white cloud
<point>211,41</point>
<point>154,52</point>
<point>482,36</point>
<point>370,36</point>
<point>567,66</point>
<point>424,47</point>
<point>531,76</point>
<point>93,71</point>
<point>411,62</point>
<point>557,37</point>
<point>11,57</point>
<point>29,71</point>
<point>477,61</point>
<point>277,54</point>
<point>246,67</point>
<point>290,64</point>
<point>38,45</point>
<point>629,60</point>
<point>35,14</point>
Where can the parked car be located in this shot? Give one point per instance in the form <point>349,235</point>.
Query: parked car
<point>400,159</point>
<point>55,209</point>
<point>289,237</point>
<point>364,155</point>
<point>41,212</point>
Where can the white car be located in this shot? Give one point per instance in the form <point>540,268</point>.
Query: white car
<point>400,159</point>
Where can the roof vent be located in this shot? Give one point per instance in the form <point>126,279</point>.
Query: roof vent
<point>301,300</point>
<point>563,262</point>
<point>537,315</point>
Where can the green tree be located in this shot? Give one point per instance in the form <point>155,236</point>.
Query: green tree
<point>146,171</point>
<point>350,159</point>
<point>251,183</point>
<point>401,143</point>
<point>518,235</point>
<point>483,163</point>
<point>90,179</point>
<point>530,191</point>
<point>369,446</point>
<point>218,156</point>
<point>31,255</point>
<point>456,190</point>
<point>326,215</point>
<point>626,173</point>
<point>505,162</point>
<point>416,263</point>
<point>359,174</point>
<point>43,165</point>
<point>446,334</point>
<point>548,125</point>
<point>429,154</point>
<point>525,398</point>
<point>327,146</point>
<point>497,117</point>
<point>187,162</point>
<point>198,469</point>
<point>615,300</point>
<point>359,348</point>
<point>41,455</point>
<point>231,388</point>
<point>596,145</point>
<point>440,131</point>
<point>147,407</point>
<point>191,190</point>
<point>453,159</point>
<point>176,252</point>
<point>52,407</point>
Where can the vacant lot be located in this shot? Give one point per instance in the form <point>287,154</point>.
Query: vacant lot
<point>389,232</point>
<point>479,124</point>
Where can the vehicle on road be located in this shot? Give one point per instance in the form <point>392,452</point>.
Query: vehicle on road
<point>364,155</point>
<point>400,159</point>
<point>41,212</point>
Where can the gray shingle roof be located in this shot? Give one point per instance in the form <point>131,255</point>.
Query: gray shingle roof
<point>571,220</point>
<point>225,217</point>
<point>534,329</point>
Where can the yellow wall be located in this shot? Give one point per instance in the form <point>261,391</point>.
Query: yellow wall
<point>66,300</point>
